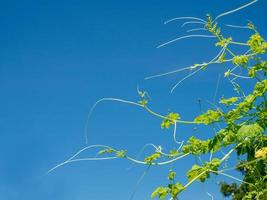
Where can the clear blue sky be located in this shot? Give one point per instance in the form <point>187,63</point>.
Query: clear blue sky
<point>58,57</point>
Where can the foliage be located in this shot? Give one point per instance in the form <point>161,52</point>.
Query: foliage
<point>173,188</point>
<point>242,122</point>
<point>201,173</point>
<point>151,158</point>
<point>211,116</point>
<point>244,118</point>
<point>169,120</point>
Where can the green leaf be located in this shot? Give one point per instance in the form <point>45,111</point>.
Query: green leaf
<point>240,60</point>
<point>214,144</point>
<point>165,124</point>
<point>171,175</point>
<point>257,44</point>
<point>121,154</point>
<point>260,88</point>
<point>143,102</point>
<point>176,189</point>
<point>259,66</point>
<point>261,153</point>
<point>152,158</point>
<point>201,173</point>
<point>213,164</point>
<point>174,153</point>
<point>196,146</point>
<point>249,131</point>
<point>228,101</point>
<point>173,116</point>
<point>224,42</point>
<point>169,120</point>
<point>195,172</point>
<point>105,151</point>
<point>229,137</point>
<point>209,117</point>
<point>161,192</point>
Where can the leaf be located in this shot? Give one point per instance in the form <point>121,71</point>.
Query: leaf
<point>121,154</point>
<point>260,88</point>
<point>176,189</point>
<point>174,153</point>
<point>143,102</point>
<point>224,42</point>
<point>105,151</point>
<point>171,175</point>
<point>259,66</point>
<point>173,116</point>
<point>165,124</point>
<point>209,117</point>
<point>196,146</point>
<point>228,101</point>
<point>257,44</point>
<point>214,144</point>
<point>195,171</point>
<point>161,192</point>
<point>152,158</point>
<point>261,153</point>
<point>248,131</point>
<point>240,60</point>
<point>201,173</point>
<point>169,120</point>
<point>213,164</point>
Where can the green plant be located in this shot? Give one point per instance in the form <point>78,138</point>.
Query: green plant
<point>243,118</point>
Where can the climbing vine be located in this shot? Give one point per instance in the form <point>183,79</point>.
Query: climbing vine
<point>243,119</point>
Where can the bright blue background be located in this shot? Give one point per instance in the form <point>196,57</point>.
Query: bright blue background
<point>58,57</point>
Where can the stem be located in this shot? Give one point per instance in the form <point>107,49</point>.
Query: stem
<point>190,182</point>
<point>230,152</point>
<point>232,177</point>
<point>173,160</point>
<point>181,18</point>
<point>235,10</point>
<point>164,117</point>
<point>239,43</point>
<point>159,163</point>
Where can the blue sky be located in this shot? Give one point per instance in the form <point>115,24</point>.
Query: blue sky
<point>59,57</point>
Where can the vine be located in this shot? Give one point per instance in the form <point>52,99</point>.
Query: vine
<point>243,118</point>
